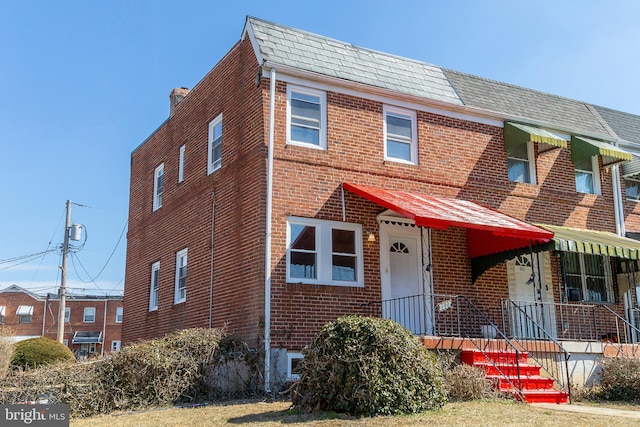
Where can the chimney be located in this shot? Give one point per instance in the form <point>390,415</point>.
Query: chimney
<point>175,97</point>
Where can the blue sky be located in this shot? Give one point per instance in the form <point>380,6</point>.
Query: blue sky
<point>85,82</point>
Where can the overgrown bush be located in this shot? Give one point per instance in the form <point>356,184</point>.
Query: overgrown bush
<point>466,382</point>
<point>7,349</point>
<point>171,370</point>
<point>368,366</point>
<point>620,379</point>
<point>40,351</point>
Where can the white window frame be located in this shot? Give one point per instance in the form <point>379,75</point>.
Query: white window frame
<point>154,286</point>
<point>115,346</point>
<point>322,132</point>
<point>595,176</point>
<point>180,293</point>
<point>635,179</point>
<point>531,163</point>
<point>181,164</point>
<point>65,342</point>
<point>119,312</point>
<point>86,312</point>
<point>290,358</point>
<point>404,114</point>
<point>158,188</point>
<point>324,252</point>
<point>67,314</point>
<point>214,164</point>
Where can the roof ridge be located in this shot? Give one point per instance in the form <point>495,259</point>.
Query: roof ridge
<point>342,42</point>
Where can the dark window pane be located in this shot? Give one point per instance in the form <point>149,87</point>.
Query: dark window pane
<point>310,110</point>
<point>398,150</point>
<point>344,268</point>
<point>303,237</point>
<point>343,241</point>
<point>305,134</point>
<point>303,265</point>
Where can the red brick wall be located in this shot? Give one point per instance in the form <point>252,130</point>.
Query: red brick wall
<point>184,220</point>
<point>457,158</point>
<point>11,301</point>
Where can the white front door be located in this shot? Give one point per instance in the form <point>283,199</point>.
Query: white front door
<point>528,292</point>
<point>405,296</point>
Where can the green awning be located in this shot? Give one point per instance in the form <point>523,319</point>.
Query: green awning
<point>582,147</point>
<point>517,133</point>
<point>568,240</point>
<point>593,242</point>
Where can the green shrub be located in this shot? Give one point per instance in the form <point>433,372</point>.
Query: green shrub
<point>368,366</point>
<point>620,379</point>
<point>40,351</point>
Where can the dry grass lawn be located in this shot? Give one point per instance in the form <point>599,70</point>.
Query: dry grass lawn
<point>270,414</point>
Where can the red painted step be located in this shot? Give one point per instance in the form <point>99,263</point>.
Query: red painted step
<point>500,364</point>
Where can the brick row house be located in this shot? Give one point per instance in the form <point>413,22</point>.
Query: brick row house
<point>93,324</point>
<point>304,178</point>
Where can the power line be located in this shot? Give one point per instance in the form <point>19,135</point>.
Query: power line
<point>110,256</point>
<point>26,258</point>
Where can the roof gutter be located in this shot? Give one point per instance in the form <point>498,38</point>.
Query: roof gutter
<point>480,113</point>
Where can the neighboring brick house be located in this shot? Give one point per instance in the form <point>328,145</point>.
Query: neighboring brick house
<point>93,324</point>
<point>304,178</point>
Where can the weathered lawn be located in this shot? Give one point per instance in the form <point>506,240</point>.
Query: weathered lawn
<point>270,414</point>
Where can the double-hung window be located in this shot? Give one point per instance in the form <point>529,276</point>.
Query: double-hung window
<point>181,277</point>
<point>215,144</point>
<point>118,314</point>
<point>67,314</point>
<point>632,187</point>
<point>181,164</point>
<point>587,175</point>
<point>400,135</point>
<point>89,315</point>
<point>306,117</point>
<point>154,288</point>
<point>588,277</point>
<point>520,162</point>
<point>324,252</point>
<point>158,177</point>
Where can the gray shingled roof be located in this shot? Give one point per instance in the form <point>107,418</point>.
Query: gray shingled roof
<point>283,45</point>
<point>526,103</point>
<point>626,125</point>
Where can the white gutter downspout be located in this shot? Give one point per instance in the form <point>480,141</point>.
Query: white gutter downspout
<point>44,314</point>
<point>213,223</point>
<point>104,327</point>
<point>267,243</point>
<point>618,208</point>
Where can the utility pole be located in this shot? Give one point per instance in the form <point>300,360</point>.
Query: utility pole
<point>63,282</point>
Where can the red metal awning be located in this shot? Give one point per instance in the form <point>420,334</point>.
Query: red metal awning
<point>488,231</point>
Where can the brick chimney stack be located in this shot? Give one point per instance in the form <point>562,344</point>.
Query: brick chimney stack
<point>175,97</point>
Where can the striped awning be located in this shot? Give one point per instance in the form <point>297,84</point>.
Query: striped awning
<point>593,242</point>
<point>582,147</point>
<point>518,133</point>
<point>87,337</point>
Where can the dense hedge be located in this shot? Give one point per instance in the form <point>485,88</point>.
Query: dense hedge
<point>368,366</point>
<point>40,351</point>
<point>620,379</point>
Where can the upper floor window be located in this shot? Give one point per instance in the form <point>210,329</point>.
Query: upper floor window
<point>587,175</point>
<point>155,286</point>
<point>324,252</point>
<point>181,277</point>
<point>25,313</point>
<point>632,185</point>
<point>215,144</point>
<point>400,135</point>
<point>588,277</point>
<point>158,176</point>
<point>521,162</point>
<point>306,122</point>
<point>67,314</point>
<point>118,314</point>
<point>181,165</point>
<point>89,315</point>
